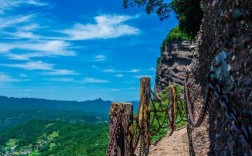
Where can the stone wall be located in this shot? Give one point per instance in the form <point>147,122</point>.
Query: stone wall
<point>227,26</point>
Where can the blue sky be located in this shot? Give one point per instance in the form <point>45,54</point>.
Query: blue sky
<point>77,50</point>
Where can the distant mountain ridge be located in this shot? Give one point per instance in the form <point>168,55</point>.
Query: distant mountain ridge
<point>14,111</point>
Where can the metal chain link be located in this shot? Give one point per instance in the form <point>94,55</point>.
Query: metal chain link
<point>203,111</point>
<point>232,115</point>
<point>214,89</point>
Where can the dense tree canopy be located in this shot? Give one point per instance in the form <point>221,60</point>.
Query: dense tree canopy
<point>189,12</point>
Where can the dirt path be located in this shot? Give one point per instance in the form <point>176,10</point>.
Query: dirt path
<point>175,145</point>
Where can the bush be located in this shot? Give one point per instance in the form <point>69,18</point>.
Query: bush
<point>176,34</point>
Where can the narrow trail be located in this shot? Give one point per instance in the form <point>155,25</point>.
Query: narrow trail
<point>175,145</point>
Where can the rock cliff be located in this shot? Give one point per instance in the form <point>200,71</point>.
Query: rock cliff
<point>172,63</point>
<point>226,26</point>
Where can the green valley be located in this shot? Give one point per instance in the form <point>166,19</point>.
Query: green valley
<point>43,138</point>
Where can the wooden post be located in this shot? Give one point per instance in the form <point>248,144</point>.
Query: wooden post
<point>172,110</point>
<point>144,115</point>
<point>122,145</point>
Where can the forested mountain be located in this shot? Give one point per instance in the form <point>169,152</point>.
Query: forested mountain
<point>40,127</point>
<point>14,111</point>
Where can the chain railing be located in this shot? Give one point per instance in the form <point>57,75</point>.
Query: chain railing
<point>157,112</point>
<point>153,115</point>
<point>219,85</point>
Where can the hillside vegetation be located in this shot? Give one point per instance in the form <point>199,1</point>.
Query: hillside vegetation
<point>43,138</point>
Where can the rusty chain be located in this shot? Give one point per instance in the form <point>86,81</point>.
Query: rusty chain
<point>231,113</point>
<point>169,113</point>
<point>215,90</point>
<point>199,121</point>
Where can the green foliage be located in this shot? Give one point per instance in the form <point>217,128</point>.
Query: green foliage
<point>180,108</point>
<point>176,34</point>
<point>189,14</point>
<point>59,138</point>
<point>161,8</point>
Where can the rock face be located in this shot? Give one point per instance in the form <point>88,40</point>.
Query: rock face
<point>172,64</point>
<point>226,26</point>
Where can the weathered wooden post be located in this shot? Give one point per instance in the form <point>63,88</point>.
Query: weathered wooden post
<point>172,109</point>
<point>121,137</point>
<point>144,116</point>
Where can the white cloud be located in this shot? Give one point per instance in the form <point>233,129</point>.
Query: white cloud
<point>25,35</point>
<point>13,21</point>
<point>106,26</point>
<point>11,4</point>
<point>93,80</point>
<point>109,70</point>
<point>36,65</point>
<point>26,32</point>
<point>39,65</point>
<point>61,72</point>
<point>29,27</point>
<point>7,78</point>
<point>37,49</point>
<point>134,71</point>
<point>119,75</point>
<point>100,58</point>
<point>61,79</point>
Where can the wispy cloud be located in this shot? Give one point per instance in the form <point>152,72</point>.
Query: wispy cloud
<point>61,79</point>
<point>109,71</point>
<point>119,75</point>
<point>36,65</point>
<point>100,58</point>
<point>6,78</point>
<point>39,65</point>
<point>37,49</point>
<point>134,70</point>
<point>60,72</point>
<point>13,21</point>
<point>94,80</point>
<point>106,26</point>
<point>11,4</point>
